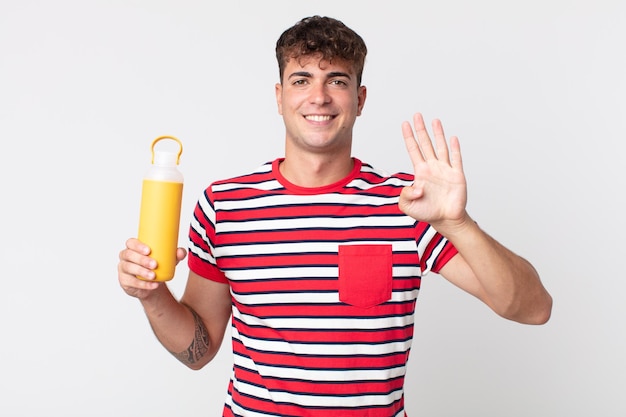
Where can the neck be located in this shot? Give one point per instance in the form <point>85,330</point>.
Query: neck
<point>316,170</point>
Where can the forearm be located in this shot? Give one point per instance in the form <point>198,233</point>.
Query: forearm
<point>178,328</point>
<point>508,283</point>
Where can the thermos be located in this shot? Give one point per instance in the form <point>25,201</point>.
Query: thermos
<point>159,217</point>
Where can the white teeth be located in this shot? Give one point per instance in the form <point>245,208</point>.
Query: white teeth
<point>318,118</point>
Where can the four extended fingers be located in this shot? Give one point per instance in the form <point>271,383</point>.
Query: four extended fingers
<point>420,146</point>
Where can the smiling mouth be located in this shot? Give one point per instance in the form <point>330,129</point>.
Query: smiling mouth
<point>318,118</point>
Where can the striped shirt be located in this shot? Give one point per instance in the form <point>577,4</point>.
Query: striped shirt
<point>323,282</point>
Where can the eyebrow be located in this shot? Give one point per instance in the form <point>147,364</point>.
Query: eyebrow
<point>338,74</point>
<point>300,74</point>
<point>329,75</point>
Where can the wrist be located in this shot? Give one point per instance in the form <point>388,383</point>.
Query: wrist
<point>450,229</point>
<point>153,303</point>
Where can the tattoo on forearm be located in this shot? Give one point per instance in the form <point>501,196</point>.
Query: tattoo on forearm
<point>199,345</point>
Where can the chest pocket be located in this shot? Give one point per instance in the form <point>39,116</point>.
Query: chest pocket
<point>365,274</point>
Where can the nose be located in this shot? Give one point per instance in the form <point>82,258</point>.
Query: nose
<point>319,94</point>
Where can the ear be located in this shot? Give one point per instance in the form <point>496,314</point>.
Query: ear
<point>361,95</point>
<point>278,89</point>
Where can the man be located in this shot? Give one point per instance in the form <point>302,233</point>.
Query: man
<point>318,256</point>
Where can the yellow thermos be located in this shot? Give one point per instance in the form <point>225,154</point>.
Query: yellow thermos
<point>159,217</point>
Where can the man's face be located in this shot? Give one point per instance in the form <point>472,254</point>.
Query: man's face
<point>319,102</point>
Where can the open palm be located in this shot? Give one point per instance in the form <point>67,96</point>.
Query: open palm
<point>439,191</point>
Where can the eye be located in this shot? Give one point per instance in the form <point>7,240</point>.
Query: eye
<point>301,81</point>
<point>338,82</point>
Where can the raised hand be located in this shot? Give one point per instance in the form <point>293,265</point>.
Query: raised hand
<point>439,192</point>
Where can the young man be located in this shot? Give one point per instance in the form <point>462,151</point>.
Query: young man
<point>318,256</point>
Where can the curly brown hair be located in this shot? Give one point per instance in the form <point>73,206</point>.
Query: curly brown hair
<point>325,36</point>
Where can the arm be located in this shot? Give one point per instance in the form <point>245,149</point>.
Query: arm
<point>484,268</point>
<point>504,281</point>
<point>191,329</point>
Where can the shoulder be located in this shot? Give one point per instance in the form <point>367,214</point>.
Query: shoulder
<point>261,173</point>
<point>261,178</point>
<point>374,177</point>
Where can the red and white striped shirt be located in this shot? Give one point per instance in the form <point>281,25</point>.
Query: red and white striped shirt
<point>324,283</point>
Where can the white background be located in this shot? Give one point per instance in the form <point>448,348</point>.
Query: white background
<point>534,89</point>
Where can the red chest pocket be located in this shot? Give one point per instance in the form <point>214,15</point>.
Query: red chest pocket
<point>365,274</point>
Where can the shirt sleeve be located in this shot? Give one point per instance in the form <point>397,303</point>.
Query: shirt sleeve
<point>434,250</point>
<point>448,252</point>
<point>201,259</point>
